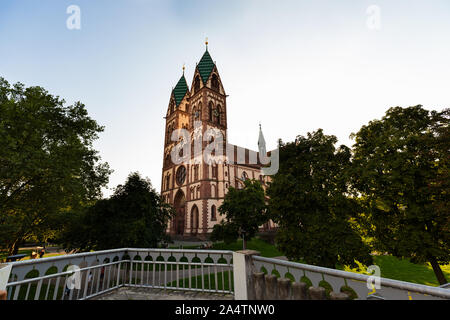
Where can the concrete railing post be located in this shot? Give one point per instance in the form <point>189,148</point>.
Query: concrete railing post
<point>317,293</point>
<point>260,285</point>
<point>271,287</point>
<point>299,291</point>
<point>284,288</point>
<point>243,269</point>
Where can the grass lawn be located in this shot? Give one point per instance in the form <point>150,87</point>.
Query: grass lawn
<point>3,254</point>
<point>402,269</point>
<point>391,267</point>
<point>209,281</point>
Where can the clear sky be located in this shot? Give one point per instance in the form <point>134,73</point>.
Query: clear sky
<point>294,66</point>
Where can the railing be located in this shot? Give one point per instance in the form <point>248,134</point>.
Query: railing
<point>356,285</point>
<point>87,275</point>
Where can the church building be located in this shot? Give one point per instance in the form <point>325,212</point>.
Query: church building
<point>197,186</point>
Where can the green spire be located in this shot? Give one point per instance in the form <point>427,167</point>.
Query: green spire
<point>205,66</point>
<point>180,90</point>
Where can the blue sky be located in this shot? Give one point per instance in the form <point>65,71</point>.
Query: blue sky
<point>294,66</point>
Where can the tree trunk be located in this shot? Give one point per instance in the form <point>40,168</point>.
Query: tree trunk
<point>13,248</point>
<point>244,243</point>
<point>438,271</point>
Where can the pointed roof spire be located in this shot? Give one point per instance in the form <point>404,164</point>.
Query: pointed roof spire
<point>180,90</point>
<point>205,66</point>
<point>261,141</point>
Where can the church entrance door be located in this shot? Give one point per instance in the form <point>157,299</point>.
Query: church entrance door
<point>180,209</point>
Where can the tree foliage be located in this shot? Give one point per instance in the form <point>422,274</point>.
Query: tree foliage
<point>244,210</point>
<point>401,170</point>
<point>135,216</point>
<point>308,199</point>
<point>47,162</point>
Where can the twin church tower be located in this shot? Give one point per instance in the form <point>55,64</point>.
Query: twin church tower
<point>196,187</point>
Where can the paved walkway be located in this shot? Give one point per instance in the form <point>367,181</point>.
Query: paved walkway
<point>126,293</point>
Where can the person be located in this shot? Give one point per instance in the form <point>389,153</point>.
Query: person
<point>102,275</point>
<point>67,290</point>
<point>3,295</point>
<point>41,253</point>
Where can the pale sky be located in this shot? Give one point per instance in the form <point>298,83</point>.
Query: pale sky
<point>294,66</point>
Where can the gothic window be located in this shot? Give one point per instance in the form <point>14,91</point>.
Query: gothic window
<point>197,84</point>
<point>198,192</point>
<point>244,176</point>
<point>167,160</point>
<point>213,213</point>
<point>168,182</point>
<point>194,219</point>
<point>210,111</point>
<point>196,172</point>
<point>217,114</point>
<point>215,83</point>
<point>214,171</point>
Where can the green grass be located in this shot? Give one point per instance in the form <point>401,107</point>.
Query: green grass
<point>391,267</point>
<point>402,269</point>
<point>266,249</point>
<point>4,254</point>
<point>209,281</point>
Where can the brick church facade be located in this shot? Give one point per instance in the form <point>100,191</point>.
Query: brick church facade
<point>194,184</point>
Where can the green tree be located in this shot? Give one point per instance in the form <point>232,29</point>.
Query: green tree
<point>135,216</point>
<point>401,170</point>
<point>308,199</point>
<point>47,162</point>
<point>244,210</point>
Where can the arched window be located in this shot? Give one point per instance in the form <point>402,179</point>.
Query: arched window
<point>196,172</point>
<point>167,160</point>
<point>213,213</point>
<point>197,84</point>
<point>168,182</point>
<point>218,114</point>
<point>210,111</point>
<point>214,171</point>
<point>194,219</point>
<point>215,83</point>
<point>198,192</point>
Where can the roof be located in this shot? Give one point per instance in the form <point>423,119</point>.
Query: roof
<point>180,90</point>
<point>205,66</point>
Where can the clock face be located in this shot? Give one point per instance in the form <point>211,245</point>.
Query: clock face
<point>181,175</point>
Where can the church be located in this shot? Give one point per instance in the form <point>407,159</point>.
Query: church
<point>197,185</point>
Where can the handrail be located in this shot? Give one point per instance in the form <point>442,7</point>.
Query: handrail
<point>420,288</point>
<point>124,250</point>
<point>64,257</point>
